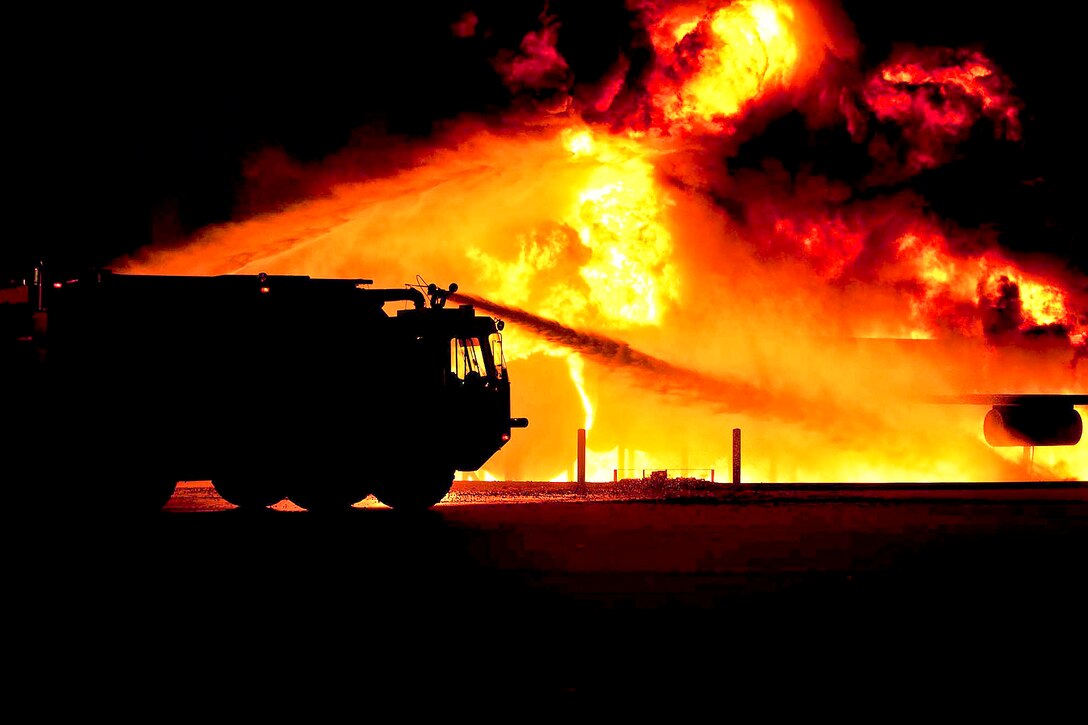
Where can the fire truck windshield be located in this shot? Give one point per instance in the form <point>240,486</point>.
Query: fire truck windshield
<point>469,359</point>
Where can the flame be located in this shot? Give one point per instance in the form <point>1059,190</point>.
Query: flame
<point>1044,304</point>
<point>933,98</point>
<point>618,218</point>
<point>659,298</point>
<point>739,52</point>
<point>717,61</point>
<point>947,283</point>
<point>577,375</point>
<point>611,228</point>
<point>944,89</point>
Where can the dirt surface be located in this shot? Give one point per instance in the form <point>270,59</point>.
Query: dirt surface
<point>561,593</point>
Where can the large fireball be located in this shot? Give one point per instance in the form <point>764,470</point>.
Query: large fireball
<point>659,297</point>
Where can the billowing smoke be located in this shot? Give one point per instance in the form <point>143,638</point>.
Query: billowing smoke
<point>536,65</point>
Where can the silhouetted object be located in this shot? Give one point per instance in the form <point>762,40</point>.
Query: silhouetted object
<point>736,455</point>
<point>439,296</point>
<point>271,386</point>
<point>581,455</point>
<point>1039,424</point>
<point>1026,420</point>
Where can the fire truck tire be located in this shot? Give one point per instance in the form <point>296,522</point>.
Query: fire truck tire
<point>248,492</point>
<point>329,496</point>
<point>138,494</point>
<point>159,492</point>
<point>419,493</point>
<point>128,490</point>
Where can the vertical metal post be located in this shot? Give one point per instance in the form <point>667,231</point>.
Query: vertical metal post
<point>736,455</point>
<point>581,455</point>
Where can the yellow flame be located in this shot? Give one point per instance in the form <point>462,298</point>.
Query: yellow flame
<point>1043,303</point>
<point>752,46</point>
<point>604,258</point>
<point>958,278</point>
<point>1059,462</point>
<point>577,366</point>
<point>684,28</point>
<point>619,218</point>
<point>578,142</point>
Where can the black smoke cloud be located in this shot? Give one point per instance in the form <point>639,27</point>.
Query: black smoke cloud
<point>132,128</point>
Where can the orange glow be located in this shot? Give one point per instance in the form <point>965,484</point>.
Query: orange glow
<point>719,59</point>
<point>748,47</point>
<point>618,218</point>
<point>658,298</point>
<point>609,221</point>
<point>1044,304</point>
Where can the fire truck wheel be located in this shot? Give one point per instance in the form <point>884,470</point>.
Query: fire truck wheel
<point>159,492</point>
<point>142,493</point>
<point>248,492</point>
<point>329,496</point>
<point>420,492</point>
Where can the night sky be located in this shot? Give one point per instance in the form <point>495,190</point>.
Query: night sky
<point>134,126</point>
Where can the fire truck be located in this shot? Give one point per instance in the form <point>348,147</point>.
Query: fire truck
<point>318,391</point>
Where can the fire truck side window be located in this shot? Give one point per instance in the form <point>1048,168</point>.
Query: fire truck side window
<point>466,358</point>
<point>497,356</point>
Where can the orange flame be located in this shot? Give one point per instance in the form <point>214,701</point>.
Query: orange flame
<point>738,52</point>
<point>612,226</point>
<point>716,61</point>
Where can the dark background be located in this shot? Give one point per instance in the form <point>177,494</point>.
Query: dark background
<point>122,117</point>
